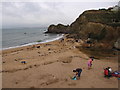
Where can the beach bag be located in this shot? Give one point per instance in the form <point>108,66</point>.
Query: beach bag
<point>23,62</point>
<point>74,78</point>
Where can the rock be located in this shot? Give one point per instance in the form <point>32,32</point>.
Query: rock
<point>16,60</point>
<point>4,62</point>
<point>38,46</point>
<point>49,49</point>
<point>98,25</point>
<point>117,44</point>
<point>57,28</point>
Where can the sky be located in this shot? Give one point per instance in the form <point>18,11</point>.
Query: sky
<point>45,13</point>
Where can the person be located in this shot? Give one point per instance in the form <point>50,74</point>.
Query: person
<point>108,72</point>
<point>90,62</point>
<point>110,69</point>
<point>78,73</point>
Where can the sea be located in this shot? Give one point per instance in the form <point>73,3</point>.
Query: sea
<point>18,37</point>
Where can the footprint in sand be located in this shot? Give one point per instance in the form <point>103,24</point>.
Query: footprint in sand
<point>15,60</point>
<point>71,84</point>
<point>30,66</point>
<point>48,79</point>
<point>16,82</point>
<point>39,52</point>
<point>4,62</point>
<point>25,68</point>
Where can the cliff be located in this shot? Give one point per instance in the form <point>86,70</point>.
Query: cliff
<point>57,29</point>
<point>102,27</point>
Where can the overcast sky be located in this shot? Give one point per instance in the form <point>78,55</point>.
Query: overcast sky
<point>39,14</point>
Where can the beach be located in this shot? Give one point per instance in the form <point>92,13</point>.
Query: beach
<point>51,64</point>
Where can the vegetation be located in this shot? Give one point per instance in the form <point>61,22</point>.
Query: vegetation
<point>103,16</point>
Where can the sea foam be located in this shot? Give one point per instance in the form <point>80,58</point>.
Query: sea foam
<point>34,43</point>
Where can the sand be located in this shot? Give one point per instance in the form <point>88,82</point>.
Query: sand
<point>50,65</point>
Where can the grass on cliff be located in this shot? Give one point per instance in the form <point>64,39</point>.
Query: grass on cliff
<point>98,53</point>
<point>104,16</point>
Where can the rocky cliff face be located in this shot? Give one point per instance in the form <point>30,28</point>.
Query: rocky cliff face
<point>57,29</point>
<point>95,19</point>
<point>101,26</point>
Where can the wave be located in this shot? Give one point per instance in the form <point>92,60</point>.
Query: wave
<point>34,43</point>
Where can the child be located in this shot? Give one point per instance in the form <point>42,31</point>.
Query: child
<point>108,72</point>
<point>90,63</point>
<point>78,73</point>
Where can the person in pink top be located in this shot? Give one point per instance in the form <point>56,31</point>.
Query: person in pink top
<point>90,63</point>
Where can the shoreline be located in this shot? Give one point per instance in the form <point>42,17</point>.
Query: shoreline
<point>35,43</point>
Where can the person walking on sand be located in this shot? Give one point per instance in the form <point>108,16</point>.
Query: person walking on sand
<point>90,63</point>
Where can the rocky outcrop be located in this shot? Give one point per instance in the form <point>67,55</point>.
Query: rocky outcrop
<point>117,44</point>
<point>104,17</point>
<point>57,29</point>
<point>101,26</point>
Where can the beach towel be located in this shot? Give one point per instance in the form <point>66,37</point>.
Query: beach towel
<point>116,74</point>
<point>23,62</point>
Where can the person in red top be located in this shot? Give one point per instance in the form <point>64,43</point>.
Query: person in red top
<point>106,72</point>
<point>90,63</point>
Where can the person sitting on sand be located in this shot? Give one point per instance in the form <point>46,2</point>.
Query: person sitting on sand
<point>110,69</point>
<point>108,72</point>
<point>78,73</point>
<point>90,62</point>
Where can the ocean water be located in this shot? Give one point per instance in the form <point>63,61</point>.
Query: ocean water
<point>18,37</point>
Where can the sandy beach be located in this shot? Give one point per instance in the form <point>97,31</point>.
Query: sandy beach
<point>50,65</point>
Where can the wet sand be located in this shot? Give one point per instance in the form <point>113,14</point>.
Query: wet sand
<point>50,65</point>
